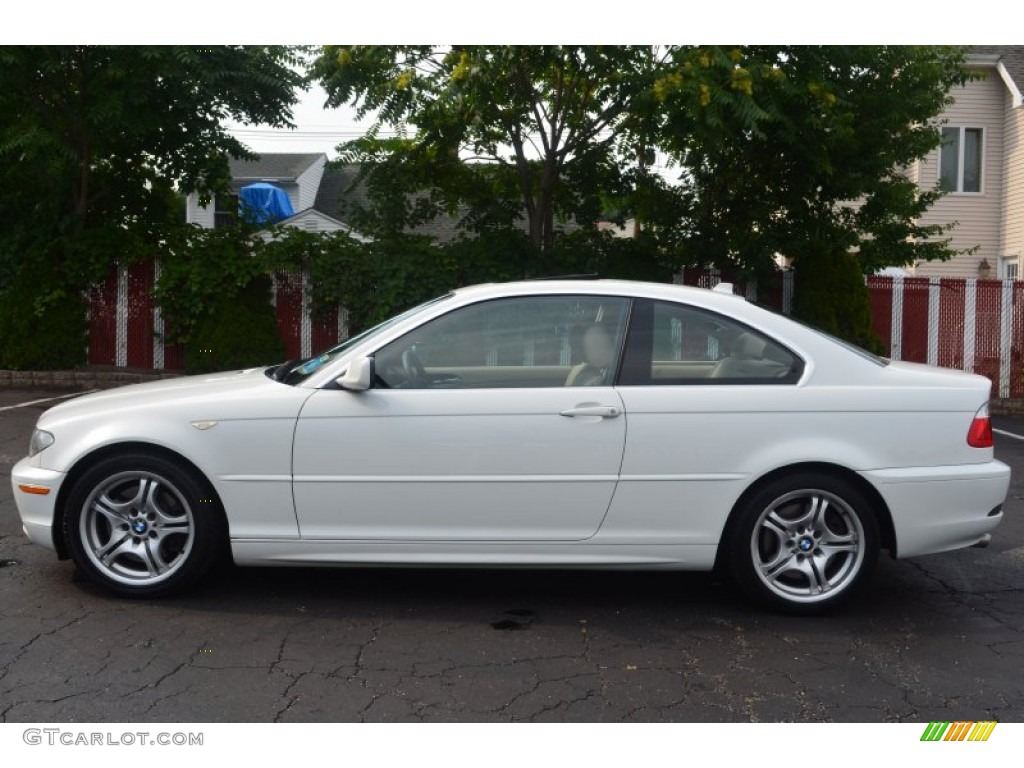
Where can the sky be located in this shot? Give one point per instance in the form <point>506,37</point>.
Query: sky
<point>317,129</point>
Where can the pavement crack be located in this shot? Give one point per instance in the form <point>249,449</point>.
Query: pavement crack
<point>171,673</point>
<point>24,648</point>
<point>358,667</point>
<point>294,677</point>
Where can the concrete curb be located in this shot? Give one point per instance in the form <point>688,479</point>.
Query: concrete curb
<point>1007,407</point>
<point>77,379</point>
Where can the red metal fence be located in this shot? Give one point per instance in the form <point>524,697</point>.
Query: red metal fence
<point>126,329</point>
<point>973,325</point>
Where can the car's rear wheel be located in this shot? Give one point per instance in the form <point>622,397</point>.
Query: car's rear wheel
<point>803,543</point>
<point>142,526</point>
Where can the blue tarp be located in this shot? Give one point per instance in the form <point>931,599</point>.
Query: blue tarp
<point>264,203</point>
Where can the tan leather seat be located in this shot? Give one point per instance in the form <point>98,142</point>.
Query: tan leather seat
<point>598,359</point>
<point>746,359</point>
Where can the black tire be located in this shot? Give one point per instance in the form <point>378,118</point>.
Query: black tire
<point>143,526</point>
<point>803,543</point>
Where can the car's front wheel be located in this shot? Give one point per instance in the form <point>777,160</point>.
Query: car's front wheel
<point>803,542</point>
<point>142,526</point>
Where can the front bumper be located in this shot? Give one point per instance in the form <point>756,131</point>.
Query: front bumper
<point>37,510</point>
<point>936,509</point>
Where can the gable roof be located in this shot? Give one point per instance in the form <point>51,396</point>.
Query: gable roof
<point>273,166</point>
<point>1008,60</point>
<point>338,198</point>
<point>321,222</point>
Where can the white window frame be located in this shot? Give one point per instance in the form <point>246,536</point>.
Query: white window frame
<point>1009,268</point>
<point>960,160</point>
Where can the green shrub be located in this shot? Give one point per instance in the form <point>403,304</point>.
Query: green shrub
<point>239,332</point>
<point>41,331</point>
<point>830,294</point>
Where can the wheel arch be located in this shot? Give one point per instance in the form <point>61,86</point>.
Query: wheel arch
<point>91,459</point>
<point>886,530</point>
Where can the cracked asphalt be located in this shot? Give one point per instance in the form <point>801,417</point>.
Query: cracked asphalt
<point>934,638</point>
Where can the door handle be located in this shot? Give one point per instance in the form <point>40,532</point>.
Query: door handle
<point>602,411</point>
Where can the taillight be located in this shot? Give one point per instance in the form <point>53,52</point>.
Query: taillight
<point>980,433</point>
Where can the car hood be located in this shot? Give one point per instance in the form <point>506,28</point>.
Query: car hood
<point>242,394</point>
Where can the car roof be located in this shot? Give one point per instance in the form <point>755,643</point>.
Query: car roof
<point>604,286</point>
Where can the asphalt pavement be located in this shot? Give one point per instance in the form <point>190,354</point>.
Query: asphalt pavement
<point>932,638</point>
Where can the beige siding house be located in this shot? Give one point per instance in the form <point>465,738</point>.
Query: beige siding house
<point>981,166</point>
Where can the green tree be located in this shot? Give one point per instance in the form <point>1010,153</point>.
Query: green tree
<point>94,140</point>
<point>818,169</point>
<point>538,132</point>
<point>797,151</point>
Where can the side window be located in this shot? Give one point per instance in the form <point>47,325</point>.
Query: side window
<point>530,341</point>
<point>672,343</point>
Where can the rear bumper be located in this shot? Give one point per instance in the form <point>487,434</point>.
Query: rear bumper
<point>36,510</point>
<point>935,509</point>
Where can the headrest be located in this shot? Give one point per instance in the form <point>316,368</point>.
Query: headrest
<point>598,349</point>
<point>748,345</point>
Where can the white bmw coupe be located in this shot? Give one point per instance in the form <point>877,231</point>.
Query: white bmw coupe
<point>544,424</point>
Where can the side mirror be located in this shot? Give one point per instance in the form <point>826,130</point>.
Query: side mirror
<point>359,375</point>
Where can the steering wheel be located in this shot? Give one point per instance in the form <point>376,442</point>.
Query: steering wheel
<point>412,366</point>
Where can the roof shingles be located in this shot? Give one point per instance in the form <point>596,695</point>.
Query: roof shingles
<point>1010,56</point>
<point>279,166</point>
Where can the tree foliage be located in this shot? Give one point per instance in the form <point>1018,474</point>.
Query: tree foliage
<point>818,171</point>
<point>772,143</point>
<point>821,167</point>
<point>206,270</point>
<point>95,142</point>
<point>531,133</point>
<point>40,332</point>
<point>798,151</point>
<point>781,151</point>
<point>239,331</point>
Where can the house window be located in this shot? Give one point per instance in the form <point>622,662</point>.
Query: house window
<point>225,211</point>
<point>960,159</point>
<point>1008,268</point>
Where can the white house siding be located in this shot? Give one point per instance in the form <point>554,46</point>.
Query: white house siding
<point>196,214</point>
<point>979,104</point>
<point>312,220</point>
<point>309,183</point>
<point>293,194</point>
<point>1013,181</point>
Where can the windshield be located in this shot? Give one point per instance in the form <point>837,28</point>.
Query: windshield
<point>295,371</point>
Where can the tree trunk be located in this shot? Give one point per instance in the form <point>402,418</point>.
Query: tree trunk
<point>533,216</point>
<point>546,204</point>
<point>80,191</point>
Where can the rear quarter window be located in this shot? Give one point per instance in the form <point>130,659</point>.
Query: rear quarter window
<point>671,343</point>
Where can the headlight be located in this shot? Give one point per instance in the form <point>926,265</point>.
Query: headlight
<point>41,440</point>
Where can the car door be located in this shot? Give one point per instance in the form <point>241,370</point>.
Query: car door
<point>708,397</point>
<point>495,422</point>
